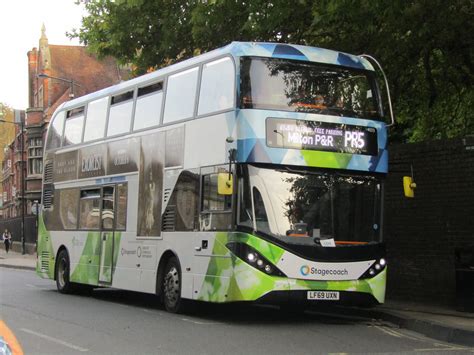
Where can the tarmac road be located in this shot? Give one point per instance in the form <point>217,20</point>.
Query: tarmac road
<point>113,321</point>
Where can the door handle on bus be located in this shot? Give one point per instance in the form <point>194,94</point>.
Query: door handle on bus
<point>197,248</point>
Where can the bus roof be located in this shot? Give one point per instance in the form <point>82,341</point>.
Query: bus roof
<point>237,49</point>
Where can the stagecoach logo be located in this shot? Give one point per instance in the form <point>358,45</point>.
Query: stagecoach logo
<point>305,270</point>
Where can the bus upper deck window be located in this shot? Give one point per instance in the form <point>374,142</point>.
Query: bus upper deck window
<point>217,86</point>
<point>148,108</point>
<point>95,120</point>
<point>181,95</point>
<point>120,116</point>
<point>73,127</point>
<point>56,131</point>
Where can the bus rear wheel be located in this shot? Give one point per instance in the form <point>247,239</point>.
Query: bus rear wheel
<point>171,287</point>
<point>62,273</point>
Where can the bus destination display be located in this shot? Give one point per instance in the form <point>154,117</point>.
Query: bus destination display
<point>324,136</point>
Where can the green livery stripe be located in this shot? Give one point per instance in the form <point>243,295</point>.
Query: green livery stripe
<point>270,251</point>
<point>326,159</point>
<point>230,279</point>
<point>46,257</point>
<point>87,269</point>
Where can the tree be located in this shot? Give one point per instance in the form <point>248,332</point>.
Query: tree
<point>7,130</point>
<point>147,34</point>
<point>426,49</point>
<point>425,46</point>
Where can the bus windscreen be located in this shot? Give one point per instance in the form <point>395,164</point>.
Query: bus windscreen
<point>290,85</point>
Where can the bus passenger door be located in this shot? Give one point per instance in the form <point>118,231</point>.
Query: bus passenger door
<point>107,235</point>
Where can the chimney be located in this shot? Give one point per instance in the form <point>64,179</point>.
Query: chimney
<point>32,82</point>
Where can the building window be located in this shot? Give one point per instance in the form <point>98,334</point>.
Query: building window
<point>35,156</point>
<point>40,97</point>
<point>35,166</point>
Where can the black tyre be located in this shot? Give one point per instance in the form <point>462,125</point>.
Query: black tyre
<point>171,287</point>
<point>62,273</point>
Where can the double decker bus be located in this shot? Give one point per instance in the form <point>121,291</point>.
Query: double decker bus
<point>250,173</point>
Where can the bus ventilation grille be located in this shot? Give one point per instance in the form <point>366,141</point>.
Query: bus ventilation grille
<point>169,219</point>
<point>166,195</point>
<point>48,172</point>
<point>45,261</point>
<point>47,197</point>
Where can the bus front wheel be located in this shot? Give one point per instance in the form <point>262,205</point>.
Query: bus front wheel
<point>171,287</point>
<point>62,273</point>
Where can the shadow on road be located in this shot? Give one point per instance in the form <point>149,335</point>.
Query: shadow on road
<point>235,313</point>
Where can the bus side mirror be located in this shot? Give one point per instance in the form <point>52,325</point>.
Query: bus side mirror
<point>409,186</point>
<point>224,184</point>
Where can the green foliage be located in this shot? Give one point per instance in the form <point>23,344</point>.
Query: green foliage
<point>425,46</point>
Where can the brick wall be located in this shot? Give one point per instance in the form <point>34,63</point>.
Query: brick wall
<point>422,233</point>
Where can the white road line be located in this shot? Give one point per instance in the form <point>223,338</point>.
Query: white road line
<point>198,322</point>
<point>446,349</point>
<point>403,335</point>
<point>386,331</point>
<point>54,340</point>
<point>35,286</point>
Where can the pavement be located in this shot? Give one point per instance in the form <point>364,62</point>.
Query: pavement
<point>437,322</point>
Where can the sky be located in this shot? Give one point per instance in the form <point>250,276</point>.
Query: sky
<point>20,31</point>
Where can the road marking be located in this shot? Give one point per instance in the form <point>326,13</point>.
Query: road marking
<point>395,333</point>
<point>389,332</point>
<point>35,286</point>
<point>10,339</point>
<point>446,347</point>
<point>54,340</point>
<point>198,322</point>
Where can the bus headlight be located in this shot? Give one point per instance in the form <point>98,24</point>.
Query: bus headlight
<point>375,269</point>
<point>254,258</point>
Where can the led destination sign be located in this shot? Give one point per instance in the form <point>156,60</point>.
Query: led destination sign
<point>312,135</point>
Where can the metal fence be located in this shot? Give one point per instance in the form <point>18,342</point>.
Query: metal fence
<point>14,226</point>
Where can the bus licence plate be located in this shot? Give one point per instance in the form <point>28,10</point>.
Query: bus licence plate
<point>323,295</point>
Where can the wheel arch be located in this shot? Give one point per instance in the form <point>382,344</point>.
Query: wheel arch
<point>167,255</point>
<point>60,249</point>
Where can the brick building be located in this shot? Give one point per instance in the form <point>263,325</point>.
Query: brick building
<point>12,165</point>
<point>72,72</point>
<point>7,134</point>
